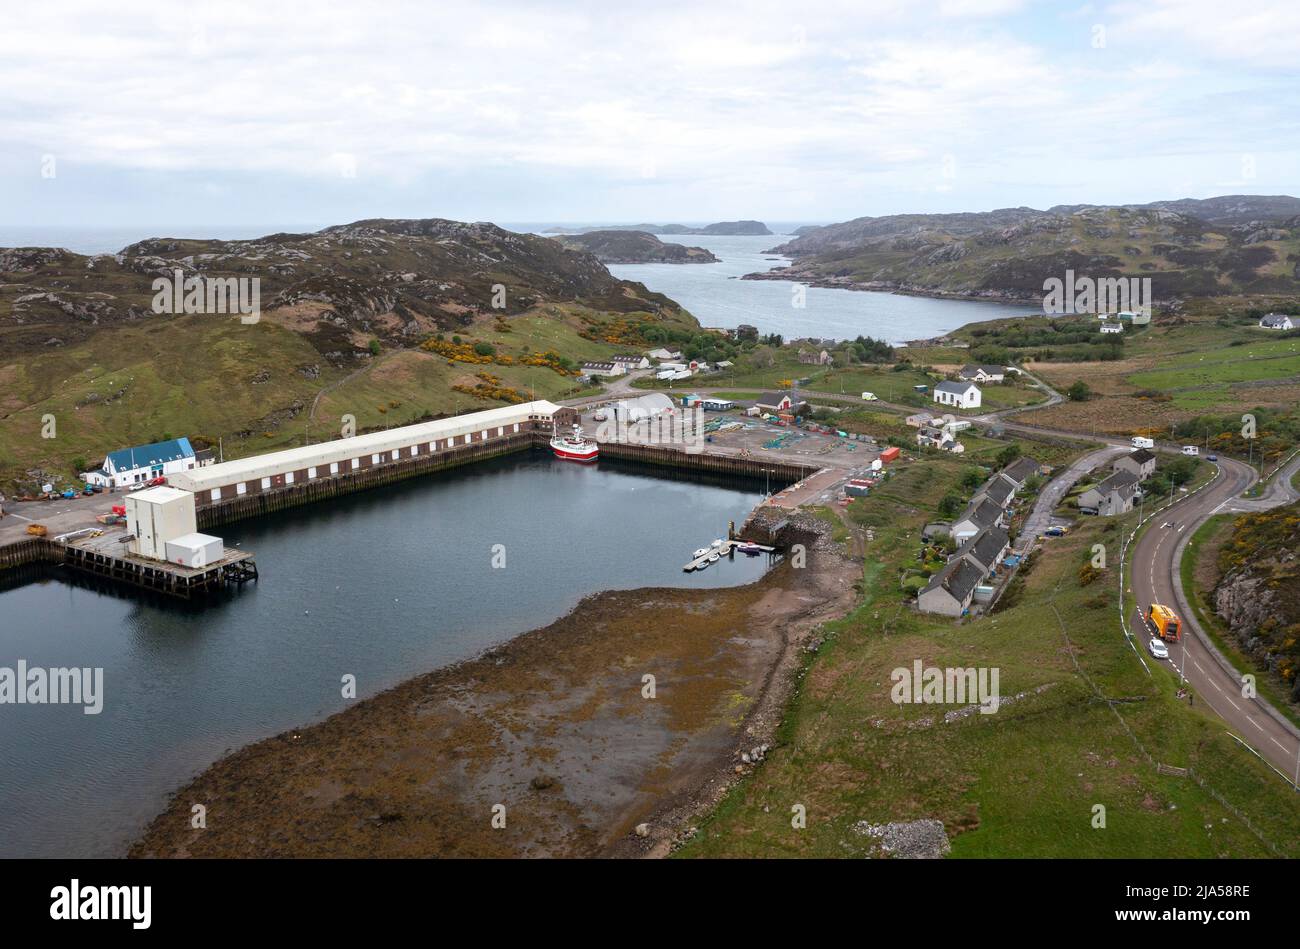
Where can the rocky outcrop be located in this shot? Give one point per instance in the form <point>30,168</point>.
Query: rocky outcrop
<point>635,247</point>
<point>1258,595</point>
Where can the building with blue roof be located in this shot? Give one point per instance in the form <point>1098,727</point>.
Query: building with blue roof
<point>127,467</point>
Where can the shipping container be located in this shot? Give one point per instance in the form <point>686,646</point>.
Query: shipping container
<point>889,454</point>
<point>195,550</point>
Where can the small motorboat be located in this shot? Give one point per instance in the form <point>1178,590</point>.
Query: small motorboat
<point>719,542</point>
<point>701,565</point>
<point>700,553</point>
<point>713,558</point>
<point>751,549</point>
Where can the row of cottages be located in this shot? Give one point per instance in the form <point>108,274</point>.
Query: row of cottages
<point>974,373</point>
<point>1113,495</point>
<point>131,466</point>
<point>962,395</point>
<point>988,507</point>
<point>1277,321</point>
<point>951,590</point>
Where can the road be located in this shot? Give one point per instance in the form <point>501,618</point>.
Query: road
<point>1040,518</point>
<point>1155,578</point>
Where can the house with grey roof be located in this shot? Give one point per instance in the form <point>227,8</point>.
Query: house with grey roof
<point>979,514</point>
<point>1021,470</point>
<point>962,395</point>
<point>987,548</point>
<point>1141,463</point>
<point>974,373</point>
<point>1113,495</point>
<point>1277,321</point>
<point>951,590</point>
<point>997,489</point>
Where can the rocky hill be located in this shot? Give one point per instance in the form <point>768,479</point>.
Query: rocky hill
<point>1258,594</point>
<point>395,280</point>
<point>1009,253</point>
<point>635,247</point>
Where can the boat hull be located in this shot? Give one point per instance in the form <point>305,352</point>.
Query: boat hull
<point>583,456</point>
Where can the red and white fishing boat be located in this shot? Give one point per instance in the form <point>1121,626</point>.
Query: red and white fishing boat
<point>575,446</point>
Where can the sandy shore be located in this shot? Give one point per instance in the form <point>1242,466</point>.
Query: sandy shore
<point>553,726</point>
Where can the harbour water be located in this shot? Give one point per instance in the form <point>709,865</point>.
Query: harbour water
<point>716,296</point>
<point>382,585</point>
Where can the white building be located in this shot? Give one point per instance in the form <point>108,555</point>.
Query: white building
<point>664,354</point>
<point>342,456</point>
<point>632,362</point>
<point>1277,321</point>
<point>963,395</point>
<point>1112,327</point>
<point>974,373</point>
<point>602,369</point>
<point>131,466</point>
<point>156,516</point>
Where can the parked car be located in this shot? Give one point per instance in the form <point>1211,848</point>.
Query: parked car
<point>1056,531</point>
<point>1157,648</point>
<point>1212,457</point>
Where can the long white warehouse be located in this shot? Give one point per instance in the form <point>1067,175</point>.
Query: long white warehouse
<point>342,456</point>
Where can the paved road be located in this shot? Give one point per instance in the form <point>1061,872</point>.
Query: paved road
<point>1054,491</point>
<point>1155,578</point>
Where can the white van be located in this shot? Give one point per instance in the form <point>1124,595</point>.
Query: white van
<point>1191,450</point>
<point>869,397</point>
<point>1140,442</point>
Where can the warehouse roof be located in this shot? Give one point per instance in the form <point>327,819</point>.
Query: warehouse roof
<point>341,449</point>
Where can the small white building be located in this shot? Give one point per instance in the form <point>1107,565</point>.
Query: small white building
<point>975,373</point>
<point>663,355</point>
<point>156,516</point>
<point>632,362</point>
<point>962,395</point>
<point>602,369</point>
<point>130,466</point>
<point>1277,321</point>
<point>195,550</point>
<point>1112,327</point>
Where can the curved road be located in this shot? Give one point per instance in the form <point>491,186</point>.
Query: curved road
<point>1155,578</point>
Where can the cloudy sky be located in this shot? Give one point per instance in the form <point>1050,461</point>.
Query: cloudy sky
<point>286,113</point>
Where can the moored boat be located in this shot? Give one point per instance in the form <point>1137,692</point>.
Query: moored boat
<point>575,446</point>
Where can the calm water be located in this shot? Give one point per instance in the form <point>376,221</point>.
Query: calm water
<point>383,585</point>
<point>716,296</point>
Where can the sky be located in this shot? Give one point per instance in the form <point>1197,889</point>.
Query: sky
<point>308,114</point>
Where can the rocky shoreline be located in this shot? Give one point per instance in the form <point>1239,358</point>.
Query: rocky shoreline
<point>548,745</point>
<point>889,286</point>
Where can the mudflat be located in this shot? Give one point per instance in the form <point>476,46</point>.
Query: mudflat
<point>545,746</point>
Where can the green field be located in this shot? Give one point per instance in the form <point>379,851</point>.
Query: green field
<point>1024,781</point>
<point>1272,359</point>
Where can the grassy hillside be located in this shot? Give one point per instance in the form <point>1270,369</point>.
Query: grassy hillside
<point>1025,780</point>
<point>1011,253</point>
<point>344,312</point>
